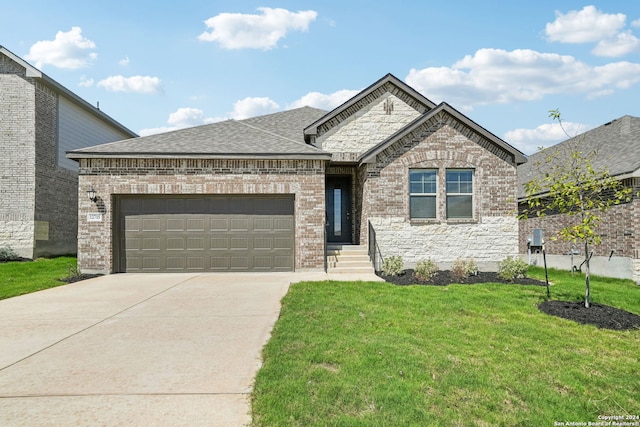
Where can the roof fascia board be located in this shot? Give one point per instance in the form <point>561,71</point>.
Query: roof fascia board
<point>389,78</point>
<point>291,156</point>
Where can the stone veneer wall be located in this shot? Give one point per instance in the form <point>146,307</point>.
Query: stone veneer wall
<point>488,238</point>
<point>17,158</point>
<point>367,127</point>
<point>109,177</point>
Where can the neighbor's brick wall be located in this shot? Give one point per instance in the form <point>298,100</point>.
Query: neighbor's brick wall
<point>109,177</point>
<point>619,229</point>
<point>56,187</point>
<point>489,237</point>
<point>17,154</point>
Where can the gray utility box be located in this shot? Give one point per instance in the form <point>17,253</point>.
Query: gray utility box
<point>536,239</point>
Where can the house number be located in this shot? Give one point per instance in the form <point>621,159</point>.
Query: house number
<point>94,217</point>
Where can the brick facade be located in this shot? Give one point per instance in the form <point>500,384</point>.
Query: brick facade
<point>488,237</point>
<point>17,158</point>
<point>109,177</point>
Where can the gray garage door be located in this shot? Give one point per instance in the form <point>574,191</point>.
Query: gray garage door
<point>214,233</point>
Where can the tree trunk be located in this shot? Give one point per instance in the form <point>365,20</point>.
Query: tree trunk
<point>587,296</point>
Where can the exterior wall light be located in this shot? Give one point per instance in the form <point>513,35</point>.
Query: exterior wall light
<point>92,195</point>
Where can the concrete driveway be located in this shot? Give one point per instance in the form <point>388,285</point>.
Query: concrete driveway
<point>133,349</point>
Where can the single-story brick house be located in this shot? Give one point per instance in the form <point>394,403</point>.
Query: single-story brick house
<point>40,120</point>
<point>617,145</point>
<point>270,193</point>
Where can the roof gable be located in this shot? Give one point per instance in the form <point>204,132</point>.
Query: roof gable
<point>436,118</point>
<point>388,83</point>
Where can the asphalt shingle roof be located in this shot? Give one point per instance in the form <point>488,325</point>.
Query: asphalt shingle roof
<point>617,144</point>
<point>279,134</point>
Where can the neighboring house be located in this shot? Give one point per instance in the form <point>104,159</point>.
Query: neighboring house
<point>39,121</point>
<point>271,193</point>
<point>617,145</point>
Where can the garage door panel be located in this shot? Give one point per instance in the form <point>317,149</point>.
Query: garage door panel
<point>239,224</point>
<point>262,243</point>
<point>283,224</point>
<point>175,244</point>
<point>176,224</point>
<point>219,263</point>
<point>195,224</point>
<point>220,244</point>
<point>195,243</point>
<point>239,244</point>
<point>239,263</point>
<point>150,263</point>
<point>175,263</point>
<point>207,234</point>
<point>219,224</point>
<point>151,224</point>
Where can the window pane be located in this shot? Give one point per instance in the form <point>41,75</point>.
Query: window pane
<point>337,212</point>
<point>460,181</point>
<point>422,181</point>
<point>459,207</point>
<point>422,206</point>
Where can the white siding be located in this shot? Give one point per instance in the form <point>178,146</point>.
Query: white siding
<point>78,128</point>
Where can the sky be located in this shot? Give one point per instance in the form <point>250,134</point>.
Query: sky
<point>157,66</point>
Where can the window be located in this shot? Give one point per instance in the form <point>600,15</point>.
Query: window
<point>422,193</point>
<point>459,193</point>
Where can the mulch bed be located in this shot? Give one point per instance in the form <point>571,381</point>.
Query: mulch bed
<point>80,277</point>
<point>601,316</point>
<point>443,278</point>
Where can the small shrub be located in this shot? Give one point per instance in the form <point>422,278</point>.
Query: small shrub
<point>392,266</point>
<point>73,271</point>
<point>463,268</point>
<point>8,254</point>
<point>425,270</point>
<point>512,268</point>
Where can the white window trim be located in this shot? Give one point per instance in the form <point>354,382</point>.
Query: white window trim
<point>434,195</point>
<point>472,194</point>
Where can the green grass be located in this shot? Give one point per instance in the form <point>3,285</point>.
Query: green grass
<point>18,278</point>
<point>363,354</point>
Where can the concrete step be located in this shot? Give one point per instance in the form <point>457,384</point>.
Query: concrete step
<point>348,259</point>
<point>351,270</point>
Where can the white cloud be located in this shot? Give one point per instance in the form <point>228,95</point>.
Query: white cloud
<point>187,117</point>
<point>251,107</point>
<point>636,23</point>
<point>180,119</point>
<point>620,45</point>
<point>68,50</point>
<point>530,140</point>
<point>241,31</point>
<point>584,26</point>
<point>138,84</point>
<point>323,101</point>
<point>124,61</point>
<point>85,82</point>
<point>495,76</point>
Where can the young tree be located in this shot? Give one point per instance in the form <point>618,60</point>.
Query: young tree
<point>570,185</point>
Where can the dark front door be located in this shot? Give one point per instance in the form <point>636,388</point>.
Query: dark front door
<point>338,193</point>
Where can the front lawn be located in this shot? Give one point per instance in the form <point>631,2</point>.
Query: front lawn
<point>363,354</point>
<point>23,277</point>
